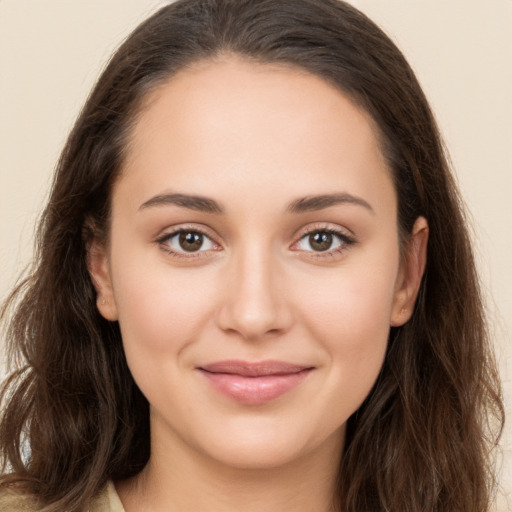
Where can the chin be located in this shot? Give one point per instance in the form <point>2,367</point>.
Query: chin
<point>269,447</point>
<point>257,456</point>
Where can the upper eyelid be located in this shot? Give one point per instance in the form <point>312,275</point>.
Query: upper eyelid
<point>345,239</point>
<point>332,228</point>
<point>169,232</point>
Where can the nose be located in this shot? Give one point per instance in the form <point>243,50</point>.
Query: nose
<point>255,303</point>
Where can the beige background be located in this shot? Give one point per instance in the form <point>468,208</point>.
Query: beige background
<point>51,52</point>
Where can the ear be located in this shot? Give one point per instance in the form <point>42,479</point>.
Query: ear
<point>410,273</point>
<point>99,270</point>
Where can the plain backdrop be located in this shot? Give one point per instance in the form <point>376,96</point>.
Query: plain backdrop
<point>51,52</point>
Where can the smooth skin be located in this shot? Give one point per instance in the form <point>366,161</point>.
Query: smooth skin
<point>252,271</point>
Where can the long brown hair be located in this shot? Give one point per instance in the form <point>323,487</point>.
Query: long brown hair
<point>72,415</point>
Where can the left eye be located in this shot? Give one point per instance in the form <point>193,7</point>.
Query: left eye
<point>321,241</point>
<point>189,241</point>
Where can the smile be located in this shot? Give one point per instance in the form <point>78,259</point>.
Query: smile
<point>254,383</point>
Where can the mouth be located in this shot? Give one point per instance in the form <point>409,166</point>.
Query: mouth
<point>254,383</point>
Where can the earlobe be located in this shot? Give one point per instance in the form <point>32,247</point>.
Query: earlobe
<point>410,274</point>
<point>99,270</point>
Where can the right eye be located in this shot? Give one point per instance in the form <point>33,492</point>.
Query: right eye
<point>186,241</point>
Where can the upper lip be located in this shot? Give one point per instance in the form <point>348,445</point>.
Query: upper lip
<point>254,369</point>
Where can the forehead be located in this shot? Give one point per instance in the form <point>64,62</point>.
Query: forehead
<point>230,123</point>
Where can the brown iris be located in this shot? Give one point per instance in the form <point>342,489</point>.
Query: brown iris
<point>320,241</point>
<point>190,241</point>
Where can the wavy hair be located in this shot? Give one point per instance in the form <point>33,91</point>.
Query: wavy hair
<point>73,416</point>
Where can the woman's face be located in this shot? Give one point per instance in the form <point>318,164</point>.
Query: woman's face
<point>253,262</point>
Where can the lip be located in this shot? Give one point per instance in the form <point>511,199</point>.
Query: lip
<point>254,383</point>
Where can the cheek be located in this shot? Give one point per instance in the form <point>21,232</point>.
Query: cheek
<point>160,308</point>
<point>350,316</point>
<point>353,327</point>
<point>351,307</point>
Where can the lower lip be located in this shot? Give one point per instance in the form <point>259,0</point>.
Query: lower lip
<point>255,390</point>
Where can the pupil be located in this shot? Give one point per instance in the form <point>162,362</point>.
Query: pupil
<point>190,241</point>
<point>320,241</point>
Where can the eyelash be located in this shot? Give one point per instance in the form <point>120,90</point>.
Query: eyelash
<point>346,242</point>
<point>163,242</point>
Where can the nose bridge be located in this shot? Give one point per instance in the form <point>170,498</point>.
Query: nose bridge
<point>255,304</point>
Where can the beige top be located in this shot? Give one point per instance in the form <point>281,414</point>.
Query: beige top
<point>107,501</point>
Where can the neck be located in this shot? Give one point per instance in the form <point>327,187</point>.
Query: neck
<point>179,479</point>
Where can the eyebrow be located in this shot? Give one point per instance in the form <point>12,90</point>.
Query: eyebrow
<point>198,203</point>
<point>302,205</point>
<point>314,203</point>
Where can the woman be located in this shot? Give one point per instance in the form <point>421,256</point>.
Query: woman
<point>254,287</point>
